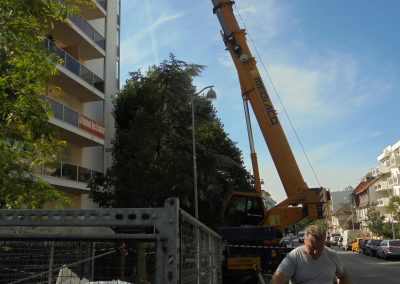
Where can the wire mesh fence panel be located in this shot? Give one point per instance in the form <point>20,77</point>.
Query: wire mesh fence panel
<point>77,246</point>
<point>200,253</point>
<point>77,262</point>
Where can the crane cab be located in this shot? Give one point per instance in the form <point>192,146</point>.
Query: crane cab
<point>243,208</point>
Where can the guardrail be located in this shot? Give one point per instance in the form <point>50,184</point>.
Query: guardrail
<point>87,29</point>
<point>103,3</point>
<point>65,170</point>
<point>75,66</point>
<point>74,118</point>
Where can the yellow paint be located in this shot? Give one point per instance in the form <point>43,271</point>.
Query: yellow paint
<point>243,263</point>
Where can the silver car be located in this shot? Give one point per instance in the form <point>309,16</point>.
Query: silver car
<point>388,249</point>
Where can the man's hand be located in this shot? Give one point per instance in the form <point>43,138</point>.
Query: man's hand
<point>344,278</point>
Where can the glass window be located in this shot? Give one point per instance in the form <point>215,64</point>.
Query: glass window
<point>394,243</point>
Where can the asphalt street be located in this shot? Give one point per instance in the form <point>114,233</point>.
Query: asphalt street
<point>364,269</point>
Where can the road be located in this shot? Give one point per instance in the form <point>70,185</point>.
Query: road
<point>370,270</point>
<point>362,269</point>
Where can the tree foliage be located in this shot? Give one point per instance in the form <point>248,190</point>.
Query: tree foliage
<point>152,150</point>
<point>374,220</point>
<point>26,138</point>
<point>394,207</point>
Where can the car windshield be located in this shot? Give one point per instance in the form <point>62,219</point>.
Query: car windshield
<point>394,243</point>
<point>375,242</point>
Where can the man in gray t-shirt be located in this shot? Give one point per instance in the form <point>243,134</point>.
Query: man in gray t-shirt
<point>312,263</point>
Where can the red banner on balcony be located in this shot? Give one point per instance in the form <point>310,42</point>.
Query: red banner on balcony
<point>91,126</point>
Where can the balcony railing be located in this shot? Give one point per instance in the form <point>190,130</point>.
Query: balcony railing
<point>70,116</point>
<point>375,171</point>
<point>394,160</point>
<point>102,3</point>
<point>381,186</point>
<point>67,171</point>
<point>75,67</point>
<point>86,28</point>
<point>394,180</point>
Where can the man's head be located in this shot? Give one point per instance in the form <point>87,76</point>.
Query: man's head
<point>314,240</point>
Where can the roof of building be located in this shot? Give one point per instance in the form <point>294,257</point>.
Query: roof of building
<point>364,184</point>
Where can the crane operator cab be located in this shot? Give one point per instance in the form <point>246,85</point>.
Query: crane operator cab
<point>243,208</point>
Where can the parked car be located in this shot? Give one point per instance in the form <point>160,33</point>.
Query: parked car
<point>388,249</point>
<point>371,246</point>
<point>300,235</point>
<point>335,239</point>
<point>356,245</point>
<point>340,242</point>
<point>362,244</point>
<point>286,242</point>
<point>328,241</point>
<point>349,236</point>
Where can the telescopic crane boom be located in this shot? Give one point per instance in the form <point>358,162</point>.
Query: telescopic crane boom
<point>312,200</point>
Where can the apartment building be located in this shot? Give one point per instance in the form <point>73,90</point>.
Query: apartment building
<point>87,80</point>
<point>379,185</point>
<point>388,171</point>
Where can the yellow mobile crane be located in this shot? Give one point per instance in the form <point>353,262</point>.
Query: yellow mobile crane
<point>246,209</point>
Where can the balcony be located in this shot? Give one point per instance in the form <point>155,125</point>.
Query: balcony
<point>381,186</point>
<point>79,176</point>
<point>394,180</point>
<point>77,32</point>
<point>375,171</point>
<point>75,77</point>
<point>88,30</point>
<point>97,11</point>
<point>394,160</point>
<point>381,202</point>
<point>102,3</point>
<point>75,127</point>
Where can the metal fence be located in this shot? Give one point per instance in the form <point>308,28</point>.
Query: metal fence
<point>145,245</point>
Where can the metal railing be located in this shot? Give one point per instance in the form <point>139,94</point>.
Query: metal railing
<point>75,67</point>
<point>102,3</point>
<point>153,245</point>
<point>64,113</point>
<point>68,171</point>
<point>87,29</point>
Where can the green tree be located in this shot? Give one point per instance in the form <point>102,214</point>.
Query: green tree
<point>394,209</point>
<point>374,220</point>
<point>152,150</point>
<point>26,138</point>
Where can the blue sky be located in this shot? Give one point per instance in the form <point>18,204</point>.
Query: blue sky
<point>335,65</point>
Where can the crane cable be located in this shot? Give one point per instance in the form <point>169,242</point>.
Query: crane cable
<point>277,94</point>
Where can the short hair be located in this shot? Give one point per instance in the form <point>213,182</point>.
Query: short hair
<point>316,231</point>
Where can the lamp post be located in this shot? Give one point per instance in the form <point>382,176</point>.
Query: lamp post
<point>211,95</point>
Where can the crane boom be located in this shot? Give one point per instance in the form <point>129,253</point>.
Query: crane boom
<point>253,90</point>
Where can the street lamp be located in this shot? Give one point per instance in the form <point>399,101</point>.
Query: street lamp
<point>211,95</point>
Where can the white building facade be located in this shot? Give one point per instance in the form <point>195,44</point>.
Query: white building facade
<point>81,94</point>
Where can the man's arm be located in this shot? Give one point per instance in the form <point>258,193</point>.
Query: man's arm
<point>344,278</point>
<point>279,278</point>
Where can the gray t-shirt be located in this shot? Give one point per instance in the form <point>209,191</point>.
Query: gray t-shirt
<point>301,268</point>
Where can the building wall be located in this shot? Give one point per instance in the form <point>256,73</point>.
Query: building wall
<point>81,97</point>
